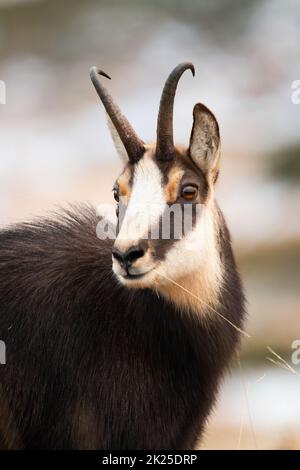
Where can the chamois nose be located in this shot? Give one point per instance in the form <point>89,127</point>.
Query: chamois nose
<point>128,257</point>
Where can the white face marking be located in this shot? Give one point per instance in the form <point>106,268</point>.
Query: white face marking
<point>146,204</point>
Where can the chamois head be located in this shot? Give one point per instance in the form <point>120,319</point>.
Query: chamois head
<point>163,184</point>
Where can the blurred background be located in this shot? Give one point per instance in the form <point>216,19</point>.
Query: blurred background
<point>55,147</point>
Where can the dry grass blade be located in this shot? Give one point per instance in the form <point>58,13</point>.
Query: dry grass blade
<point>204,303</point>
<point>281,362</point>
<point>245,387</point>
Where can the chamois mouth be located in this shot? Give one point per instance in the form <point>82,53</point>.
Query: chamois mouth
<point>128,277</point>
<point>132,275</point>
<point>135,276</point>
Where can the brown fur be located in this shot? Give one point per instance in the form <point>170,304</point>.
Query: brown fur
<point>172,188</point>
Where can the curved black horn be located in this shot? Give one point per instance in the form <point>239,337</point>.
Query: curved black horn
<point>132,143</point>
<point>165,144</point>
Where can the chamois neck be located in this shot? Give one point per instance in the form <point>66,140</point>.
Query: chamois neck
<point>194,293</point>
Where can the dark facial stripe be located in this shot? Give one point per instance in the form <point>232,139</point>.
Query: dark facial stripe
<point>181,170</point>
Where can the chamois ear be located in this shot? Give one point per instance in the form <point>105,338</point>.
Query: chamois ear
<point>204,147</point>
<point>117,141</point>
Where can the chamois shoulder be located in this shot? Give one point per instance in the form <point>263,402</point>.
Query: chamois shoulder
<point>56,250</point>
<point>66,228</point>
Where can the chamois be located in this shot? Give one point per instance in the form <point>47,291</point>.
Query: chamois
<point>122,343</point>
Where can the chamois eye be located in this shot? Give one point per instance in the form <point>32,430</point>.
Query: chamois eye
<point>189,192</point>
<point>116,193</point>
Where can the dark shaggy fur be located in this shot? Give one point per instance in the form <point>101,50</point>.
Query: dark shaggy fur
<point>93,365</point>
